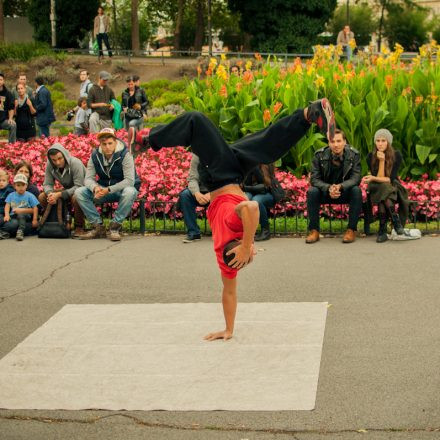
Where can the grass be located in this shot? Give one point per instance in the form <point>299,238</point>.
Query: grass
<point>287,226</point>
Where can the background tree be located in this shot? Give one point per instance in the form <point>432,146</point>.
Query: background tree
<point>283,25</point>
<point>74,20</point>
<point>2,22</point>
<point>406,25</point>
<point>134,26</point>
<point>362,22</point>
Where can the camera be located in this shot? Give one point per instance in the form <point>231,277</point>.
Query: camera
<point>70,115</point>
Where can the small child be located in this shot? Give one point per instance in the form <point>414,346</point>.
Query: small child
<point>5,189</point>
<point>82,118</point>
<point>21,206</point>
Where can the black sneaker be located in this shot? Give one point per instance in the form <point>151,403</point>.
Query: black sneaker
<point>264,235</point>
<point>191,238</point>
<point>320,112</point>
<point>382,234</point>
<point>20,235</point>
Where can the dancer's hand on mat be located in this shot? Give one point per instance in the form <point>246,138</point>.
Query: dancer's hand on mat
<point>242,257</point>
<point>225,335</point>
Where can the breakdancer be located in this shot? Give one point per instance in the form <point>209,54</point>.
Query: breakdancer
<point>231,216</point>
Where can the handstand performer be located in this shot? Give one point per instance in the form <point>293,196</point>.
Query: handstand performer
<point>230,214</point>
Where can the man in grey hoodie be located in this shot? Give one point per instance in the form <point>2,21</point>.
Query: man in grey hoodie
<point>111,177</point>
<point>69,172</point>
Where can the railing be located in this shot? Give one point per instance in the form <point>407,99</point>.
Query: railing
<point>165,219</point>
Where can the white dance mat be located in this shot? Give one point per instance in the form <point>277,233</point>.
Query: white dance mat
<point>153,357</point>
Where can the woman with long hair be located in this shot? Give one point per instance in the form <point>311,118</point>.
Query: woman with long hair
<point>24,115</point>
<point>384,187</point>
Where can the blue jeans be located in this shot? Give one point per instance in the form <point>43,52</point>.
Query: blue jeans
<point>12,128</point>
<point>136,123</point>
<point>188,204</point>
<point>21,221</point>
<point>265,201</point>
<point>124,198</point>
<point>43,130</point>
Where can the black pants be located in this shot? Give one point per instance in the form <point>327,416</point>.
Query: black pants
<point>316,198</point>
<point>226,163</point>
<point>101,38</point>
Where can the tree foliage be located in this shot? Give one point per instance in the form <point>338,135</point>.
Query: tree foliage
<point>74,20</point>
<point>362,22</point>
<point>15,7</point>
<point>283,25</point>
<point>406,25</point>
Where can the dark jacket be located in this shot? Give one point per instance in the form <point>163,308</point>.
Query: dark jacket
<point>321,168</point>
<point>70,178</point>
<point>3,194</point>
<point>43,105</point>
<point>6,103</point>
<point>119,173</point>
<point>140,97</point>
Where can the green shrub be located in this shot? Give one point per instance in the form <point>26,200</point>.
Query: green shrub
<point>168,98</point>
<point>56,95</point>
<point>58,86</point>
<point>64,131</point>
<point>62,106</point>
<point>24,51</point>
<point>49,74</point>
<point>157,83</point>
<point>178,86</point>
<point>162,119</point>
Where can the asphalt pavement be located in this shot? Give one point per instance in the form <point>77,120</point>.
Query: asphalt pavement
<point>379,376</point>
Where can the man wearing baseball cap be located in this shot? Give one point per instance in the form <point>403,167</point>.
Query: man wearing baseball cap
<point>99,101</point>
<point>110,177</point>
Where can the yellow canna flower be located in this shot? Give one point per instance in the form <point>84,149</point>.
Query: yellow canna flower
<point>319,81</point>
<point>223,57</point>
<point>213,61</point>
<point>249,65</point>
<point>352,43</point>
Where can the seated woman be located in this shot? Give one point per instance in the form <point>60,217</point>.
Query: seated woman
<point>384,186</point>
<point>24,115</point>
<point>258,187</point>
<point>23,167</point>
<point>134,104</point>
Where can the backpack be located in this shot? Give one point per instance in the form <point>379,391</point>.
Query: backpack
<point>54,223</point>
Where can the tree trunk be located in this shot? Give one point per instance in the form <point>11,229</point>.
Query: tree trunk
<point>2,22</point>
<point>178,27</point>
<point>379,40</point>
<point>134,26</point>
<point>115,24</point>
<point>200,26</point>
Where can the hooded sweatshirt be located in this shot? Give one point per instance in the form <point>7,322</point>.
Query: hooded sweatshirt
<point>70,177</point>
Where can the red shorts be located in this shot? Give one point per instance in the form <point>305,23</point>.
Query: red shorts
<point>226,225</point>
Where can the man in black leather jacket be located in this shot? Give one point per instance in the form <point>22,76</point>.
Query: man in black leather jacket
<point>335,178</point>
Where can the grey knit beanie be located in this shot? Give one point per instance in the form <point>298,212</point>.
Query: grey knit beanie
<point>384,134</point>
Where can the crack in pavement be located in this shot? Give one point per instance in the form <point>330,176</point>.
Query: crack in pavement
<point>52,274</point>
<point>198,427</point>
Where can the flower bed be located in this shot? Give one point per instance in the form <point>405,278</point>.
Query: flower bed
<point>164,173</point>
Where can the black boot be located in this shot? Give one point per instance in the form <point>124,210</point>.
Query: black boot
<point>382,234</point>
<point>264,235</point>
<point>396,224</point>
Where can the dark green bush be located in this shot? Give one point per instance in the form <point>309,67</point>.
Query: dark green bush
<point>24,51</point>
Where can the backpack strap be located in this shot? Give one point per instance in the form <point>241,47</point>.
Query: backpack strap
<point>46,214</point>
<point>60,211</point>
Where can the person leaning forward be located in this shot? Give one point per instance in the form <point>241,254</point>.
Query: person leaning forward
<point>110,178</point>
<point>335,178</point>
<point>69,172</point>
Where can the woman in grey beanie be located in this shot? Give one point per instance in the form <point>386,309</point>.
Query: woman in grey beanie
<point>384,186</point>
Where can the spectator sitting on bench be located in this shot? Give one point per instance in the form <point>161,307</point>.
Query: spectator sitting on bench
<point>335,178</point>
<point>117,182</point>
<point>69,171</point>
<point>384,187</point>
<point>196,194</point>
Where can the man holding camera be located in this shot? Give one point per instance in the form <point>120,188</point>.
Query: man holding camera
<point>99,101</point>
